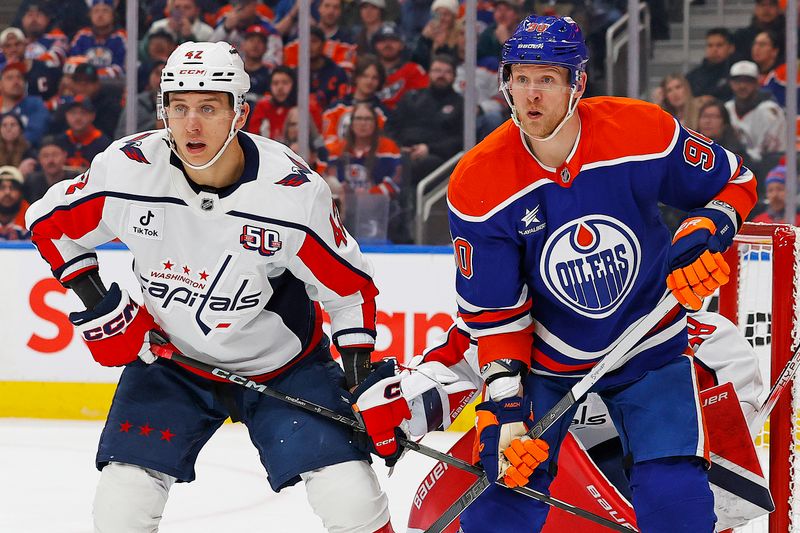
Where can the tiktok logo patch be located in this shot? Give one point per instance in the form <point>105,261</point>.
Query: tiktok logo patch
<point>591,264</point>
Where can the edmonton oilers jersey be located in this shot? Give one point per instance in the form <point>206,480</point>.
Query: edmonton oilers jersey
<point>572,257</point>
<point>235,276</point>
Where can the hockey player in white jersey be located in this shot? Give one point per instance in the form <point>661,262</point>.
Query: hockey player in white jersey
<point>236,244</point>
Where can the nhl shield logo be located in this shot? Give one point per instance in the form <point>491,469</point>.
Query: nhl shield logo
<point>207,204</point>
<point>591,264</point>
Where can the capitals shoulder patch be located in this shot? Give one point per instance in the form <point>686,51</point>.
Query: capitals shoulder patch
<point>298,176</point>
<point>132,151</point>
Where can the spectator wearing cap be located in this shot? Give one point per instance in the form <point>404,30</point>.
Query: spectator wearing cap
<point>776,198</point>
<point>82,140</point>
<point>439,36</point>
<point>506,16</point>
<point>232,26</point>
<point>269,114</point>
<point>12,205</point>
<point>102,43</point>
<point>46,43</point>
<point>328,80</point>
<point>252,51</point>
<point>767,53</point>
<point>146,115</point>
<point>401,75</point>
<point>41,77</point>
<point>30,109</point>
<point>52,160</point>
<point>767,16</point>
<point>108,100</point>
<point>368,80</point>
<point>15,150</point>
<point>68,15</point>
<point>183,23</point>
<point>711,76</point>
<point>371,15</point>
<point>759,122</point>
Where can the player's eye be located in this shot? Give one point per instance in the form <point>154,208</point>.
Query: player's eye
<point>208,110</point>
<point>179,110</point>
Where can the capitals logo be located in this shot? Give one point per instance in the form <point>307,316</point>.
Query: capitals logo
<point>132,151</point>
<point>299,174</point>
<point>591,264</point>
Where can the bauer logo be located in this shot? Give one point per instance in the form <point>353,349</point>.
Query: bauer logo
<point>591,264</point>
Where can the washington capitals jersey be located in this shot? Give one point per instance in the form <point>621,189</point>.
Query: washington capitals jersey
<point>556,264</point>
<point>234,276</point>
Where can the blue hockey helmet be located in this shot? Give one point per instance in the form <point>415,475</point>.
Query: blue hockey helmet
<point>546,41</point>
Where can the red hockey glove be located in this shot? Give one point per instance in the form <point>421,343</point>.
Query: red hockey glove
<point>504,450</point>
<point>380,403</point>
<point>696,265</point>
<point>115,330</point>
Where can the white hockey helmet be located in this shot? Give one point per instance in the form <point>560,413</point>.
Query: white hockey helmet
<point>204,67</point>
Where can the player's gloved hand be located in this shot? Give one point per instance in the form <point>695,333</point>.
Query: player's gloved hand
<point>504,450</point>
<point>379,401</point>
<point>116,329</point>
<point>357,365</point>
<point>696,265</point>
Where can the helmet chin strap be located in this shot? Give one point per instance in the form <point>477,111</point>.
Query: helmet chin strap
<point>571,107</point>
<point>231,134</point>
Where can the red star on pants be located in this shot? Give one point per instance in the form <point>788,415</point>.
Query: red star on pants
<point>168,265</point>
<point>145,430</point>
<point>186,269</point>
<point>204,275</point>
<point>167,435</point>
<point>125,426</point>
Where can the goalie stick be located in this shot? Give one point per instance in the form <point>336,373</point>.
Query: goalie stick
<point>618,355</point>
<point>161,347</point>
<point>786,377</point>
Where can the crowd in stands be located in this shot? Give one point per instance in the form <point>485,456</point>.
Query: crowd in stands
<point>387,82</point>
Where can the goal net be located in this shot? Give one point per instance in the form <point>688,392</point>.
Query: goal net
<point>761,298</point>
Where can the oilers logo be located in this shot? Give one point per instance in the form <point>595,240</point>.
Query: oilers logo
<point>591,264</point>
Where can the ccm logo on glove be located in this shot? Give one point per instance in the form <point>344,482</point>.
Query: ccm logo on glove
<point>115,325</point>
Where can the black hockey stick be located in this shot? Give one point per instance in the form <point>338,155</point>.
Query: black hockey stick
<point>161,348</point>
<point>617,356</point>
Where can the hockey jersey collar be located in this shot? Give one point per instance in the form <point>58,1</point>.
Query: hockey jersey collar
<point>249,173</point>
<point>566,173</point>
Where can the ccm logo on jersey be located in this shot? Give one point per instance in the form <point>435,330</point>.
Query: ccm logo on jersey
<point>591,264</point>
<point>146,222</point>
<point>264,241</point>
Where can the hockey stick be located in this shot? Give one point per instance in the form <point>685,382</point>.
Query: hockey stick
<point>787,375</point>
<point>161,348</point>
<point>617,356</point>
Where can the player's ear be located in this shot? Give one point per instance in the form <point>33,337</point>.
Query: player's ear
<point>243,116</point>
<point>581,84</point>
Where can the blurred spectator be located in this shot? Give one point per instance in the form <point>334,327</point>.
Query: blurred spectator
<point>86,83</point>
<point>290,136</point>
<point>82,141</point>
<point>759,122</point>
<point>41,77</point>
<point>45,42</point>
<point>286,14</point>
<point>766,16</point>
<point>101,43</point>
<point>330,22</point>
<point>15,150</point>
<point>776,84</point>
<point>679,100</point>
<point>371,19</point>
<point>428,124</point>
<point>711,76</point>
<point>183,23</point>
<point>714,122</point>
<point>252,50</point>
<point>416,13</point>
<point>156,48</point>
<point>339,44</point>
<point>232,26</point>
<point>328,80</point>
<point>68,15</point>
<point>366,162</point>
<point>269,114</point>
<point>492,109</point>
<point>401,75</point>
<point>52,160</point>
<point>368,79</point>
<point>507,16</point>
<point>767,53</point>
<point>12,205</point>
<point>776,198</point>
<point>146,118</point>
<point>30,109</point>
<point>439,36</point>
